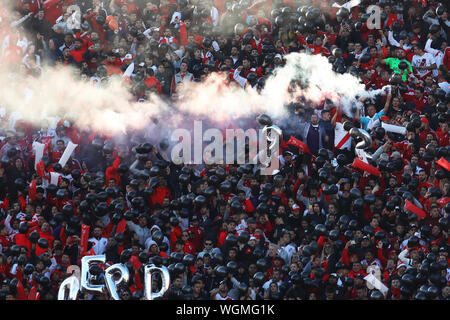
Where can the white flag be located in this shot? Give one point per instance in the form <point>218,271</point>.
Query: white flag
<point>347,5</point>
<point>67,153</point>
<point>391,128</point>
<point>39,152</point>
<point>129,71</point>
<point>370,278</point>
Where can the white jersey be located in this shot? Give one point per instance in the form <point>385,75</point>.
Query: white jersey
<point>99,246</point>
<point>342,139</point>
<point>219,297</point>
<point>419,62</point>
<point>437,55</point>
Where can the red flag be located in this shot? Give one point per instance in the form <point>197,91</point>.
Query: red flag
<point>32,190</point>
<point>299,144</point>
<point>365,167</point>
<point>21,294</point>
<point>33,294</point>
<point>416,210</point>
<point>40,169</point>
<point>136,263</point>
<point>444,163</point>
<point>121,226</point>
<point>84,238</point>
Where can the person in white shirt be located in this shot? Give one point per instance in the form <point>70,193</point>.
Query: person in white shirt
<point>287,248</point>
<point>423,63</point>
<point>98,242</point>
<point>222,293</point>
<point>275,278</point>
<point>437,54</point>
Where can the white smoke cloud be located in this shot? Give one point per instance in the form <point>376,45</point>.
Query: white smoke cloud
<point>113,110</point>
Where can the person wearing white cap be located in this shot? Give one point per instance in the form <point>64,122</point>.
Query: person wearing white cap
<point>277,61</point>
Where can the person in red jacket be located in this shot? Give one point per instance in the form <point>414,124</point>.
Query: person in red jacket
<point>46,232</point>
<point>356,270</point>
<point>175,235</point>
<point>188,246</point>
<point>78,50</point>
<point>197,234</point>
<point>229,227</point>
<point>443,134</point>
<point>161,192</point>
<point>247,205</point>
<point>58,151</point>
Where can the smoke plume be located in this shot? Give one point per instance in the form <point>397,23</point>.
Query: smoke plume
<point>112,109</point>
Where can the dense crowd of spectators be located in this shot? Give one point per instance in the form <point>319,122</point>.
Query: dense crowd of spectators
<point>312,231</point>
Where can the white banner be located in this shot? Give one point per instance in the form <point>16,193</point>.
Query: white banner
<point>392,128</point>
<point>38,152</point>
<point>129,71</point>
<point>347,5</point>
<point>67,153</point>
<point>371,279</point>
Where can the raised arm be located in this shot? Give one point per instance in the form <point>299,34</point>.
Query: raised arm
<point>391,39</point>
<point>333,120</point>
<point>388,102</point>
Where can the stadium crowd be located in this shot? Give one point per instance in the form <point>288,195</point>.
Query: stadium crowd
<point>313,231</point>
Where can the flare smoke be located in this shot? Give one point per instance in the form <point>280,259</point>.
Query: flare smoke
<point>112,109</point>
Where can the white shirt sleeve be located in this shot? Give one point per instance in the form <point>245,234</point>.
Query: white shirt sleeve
<point>242,81</point>
<point>429,49</point>
<point>13,269</point>
<point>392,40</point>
<point>8,224</point>
<point>402,257</point>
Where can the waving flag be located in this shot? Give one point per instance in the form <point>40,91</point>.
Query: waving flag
<point>299,144</point>
<point>416,210</point>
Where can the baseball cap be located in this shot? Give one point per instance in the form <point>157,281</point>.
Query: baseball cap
<point>396,154</point>
<point>251,220</point>
<point>278,56</point>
